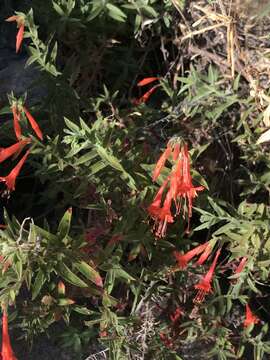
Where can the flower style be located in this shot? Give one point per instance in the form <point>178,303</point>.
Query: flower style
<point>20,23</point>
<point>250,317</point>
<point>204,286</point>
<point>7,352</point>
<point>184,259</point>
<point>10,179</point>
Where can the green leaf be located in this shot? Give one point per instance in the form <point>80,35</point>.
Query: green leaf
<point>86,157</point>
<point>58,9</point>
<point>71,125</point>
<point>47,235</point>
<point>63,228</point>
<point>95,168</point>
<point>109,159</point>
<point>38,283</point>
<point>96,10</point>
<point>82,310</point>
<point>114,163</point>
<point>115,13</point>
<point>90,273</point>
<point>69,276</point>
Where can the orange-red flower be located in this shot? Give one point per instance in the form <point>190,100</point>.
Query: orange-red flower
<point>16,119</point>
<point>183,259</point>
<point>161,162</point>
<point>7,352</point>
<point>17,110</point>
<point>161,214</point>
<point>10,179</point>
<point>186,189</point>
<point>155,207</point>
<point>250,317</point>
<point>241,265</point>
<point>5,153</point>
<point>146,95</point>
<point>174,317</point>
<point>180,186</point>
<point>166,340</point>
<point>33,123</point>
<point>147,81</point>
<point>204,256</point>
<point>204,285</point>
<point>20,34</point>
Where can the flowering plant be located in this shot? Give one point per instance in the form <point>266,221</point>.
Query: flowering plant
<point>135,197</point>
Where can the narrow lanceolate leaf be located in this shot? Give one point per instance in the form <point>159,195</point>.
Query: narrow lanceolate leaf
<point>69,276</point>
<point>63,228</point>
<point>116,13</point>
<point>82,310</point>
<point>39,281</point>
<point>112,161</point>
<point>109,158</point>
<point>90,273</point>
<point>86,157</point>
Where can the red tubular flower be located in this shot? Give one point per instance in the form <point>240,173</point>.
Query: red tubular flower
<point>204,286</point>
<point>241,265</point>
<point>7,352</point>
<point>155,207</point>
<point>147,81</point>
<point>19,37</point>
<point>164,216</point>
<point>176,315</point>
<point>176,151</point>
<point>186,188</point>
<point>146,95</point>
<point>161,162</point>
<point>250,317</point>
<point>5,153</point>
<point>166,340</point>
<point>10,179</point>
<point>180,190</point>
<point>16,124</point>
<point>204,256</point>
<point>184,259</point>
<point>20,34</point>
<point>33,124</point>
